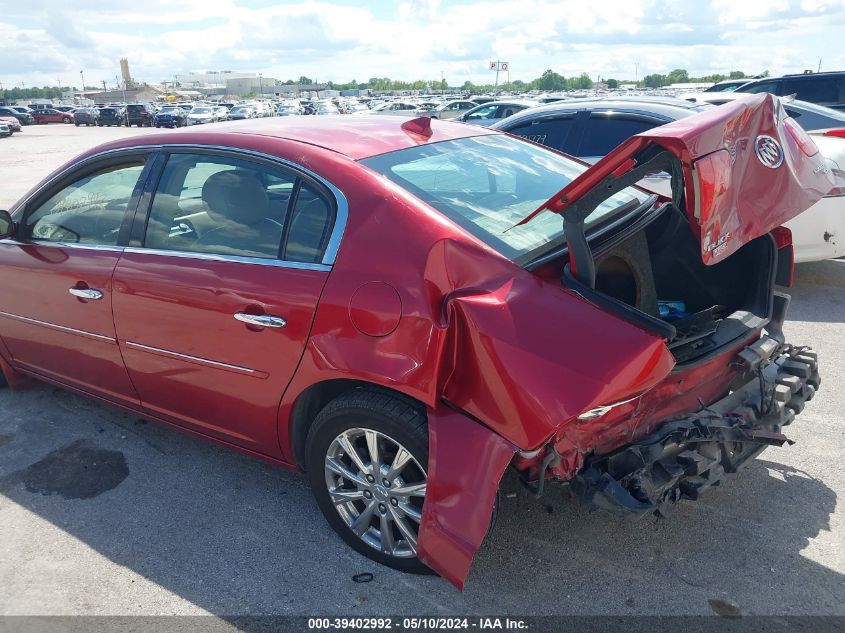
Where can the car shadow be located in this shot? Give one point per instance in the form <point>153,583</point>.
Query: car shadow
<point>235,536</point>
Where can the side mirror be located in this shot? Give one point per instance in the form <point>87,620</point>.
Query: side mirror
<point>7,225</point>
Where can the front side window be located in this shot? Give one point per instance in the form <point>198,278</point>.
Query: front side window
<point>487,184</point>
<point>227,206</point>
<point>88,211</point>
<point>765,86</point>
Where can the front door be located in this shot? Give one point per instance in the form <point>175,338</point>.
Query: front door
<point>214,305</point>
<point>55,286</point>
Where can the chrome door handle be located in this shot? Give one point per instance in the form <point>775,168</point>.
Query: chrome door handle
<point>86,293</point>
<point>262,320</point>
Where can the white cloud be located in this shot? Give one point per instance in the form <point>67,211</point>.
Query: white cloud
<point>43,40</point>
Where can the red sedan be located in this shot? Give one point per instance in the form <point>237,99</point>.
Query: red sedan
<point>405,308</point>
<point>49,115</point>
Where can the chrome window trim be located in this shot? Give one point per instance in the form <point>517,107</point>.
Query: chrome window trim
<point>213,257</point>
<point>196,359</point>
<point>90,247</point>
<point>60,328</point>
<point>341,204</point>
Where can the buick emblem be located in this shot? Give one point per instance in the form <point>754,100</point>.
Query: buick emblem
<point>769,152</point>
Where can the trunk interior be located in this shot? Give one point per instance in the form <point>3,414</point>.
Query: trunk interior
<point>658,271</point>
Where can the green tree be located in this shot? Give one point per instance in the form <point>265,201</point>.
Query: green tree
<point>581,82</point>
<point>736,74</point>
<point>612,84</point>
<point>303,80</point>
<point>550,80</point>
<point>655,81</point>
<point>678,76</point>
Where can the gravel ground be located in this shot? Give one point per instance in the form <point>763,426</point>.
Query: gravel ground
<point>101,513</point>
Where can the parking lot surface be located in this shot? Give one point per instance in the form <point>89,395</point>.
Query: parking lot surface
<point>103,513</point>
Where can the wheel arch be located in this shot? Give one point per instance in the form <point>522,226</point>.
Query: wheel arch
<point>315,397</point>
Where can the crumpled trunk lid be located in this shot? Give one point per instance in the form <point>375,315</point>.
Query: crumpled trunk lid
<point>744,168</point>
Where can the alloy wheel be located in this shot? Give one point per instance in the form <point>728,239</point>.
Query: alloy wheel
<point>378,489</point>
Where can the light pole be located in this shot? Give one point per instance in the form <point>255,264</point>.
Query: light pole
<point>260,85</point>
<point>82,75</point>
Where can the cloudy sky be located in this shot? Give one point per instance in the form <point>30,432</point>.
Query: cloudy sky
<point>50,41</point>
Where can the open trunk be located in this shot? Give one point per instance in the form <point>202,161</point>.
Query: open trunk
<point>655,276</point>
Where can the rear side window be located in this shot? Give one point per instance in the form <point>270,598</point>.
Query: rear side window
<point>814,89</point>
<point>227,206</point>
<point>505,111</point>
<point>552,132</point>
<point>603,133</point>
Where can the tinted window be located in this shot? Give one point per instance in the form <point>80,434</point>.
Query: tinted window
<point>89,211</point>
<point>551,132</point>
<point>764,86</point>
<point>603,133</point>
<point>815,89</point>
<point>815,117</point>
<point>226,206</point>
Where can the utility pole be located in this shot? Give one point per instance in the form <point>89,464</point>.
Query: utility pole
<point>82,75</point>
<point>260,85</point>
<point>636,74</point>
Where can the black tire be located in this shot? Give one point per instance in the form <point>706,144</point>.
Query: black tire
<point>400,418</point>
<point>76,124</point>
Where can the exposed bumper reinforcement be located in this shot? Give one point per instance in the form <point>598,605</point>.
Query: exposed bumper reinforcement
<point>688,455</point>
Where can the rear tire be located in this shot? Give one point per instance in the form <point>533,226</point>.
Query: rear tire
<point>380,505</point>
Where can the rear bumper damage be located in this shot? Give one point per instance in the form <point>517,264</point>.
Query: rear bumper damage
<point>689,454</point>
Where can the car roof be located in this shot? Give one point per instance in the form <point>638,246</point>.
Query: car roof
<point>667,107</point>
<point>366,136</point>
<point>507,102</point>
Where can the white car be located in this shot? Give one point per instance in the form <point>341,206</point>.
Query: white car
<point>203,114</point>
<point>819,232</point>
<point>401,108</point>
<point>5,129</point>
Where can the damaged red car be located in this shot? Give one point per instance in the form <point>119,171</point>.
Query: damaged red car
<point>404,309</point>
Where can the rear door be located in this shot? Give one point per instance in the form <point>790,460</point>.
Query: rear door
<point>215,296</point>
<point>56,284</point>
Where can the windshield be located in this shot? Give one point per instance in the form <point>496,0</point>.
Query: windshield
<point>201,111</point>
<point>487,184</point>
